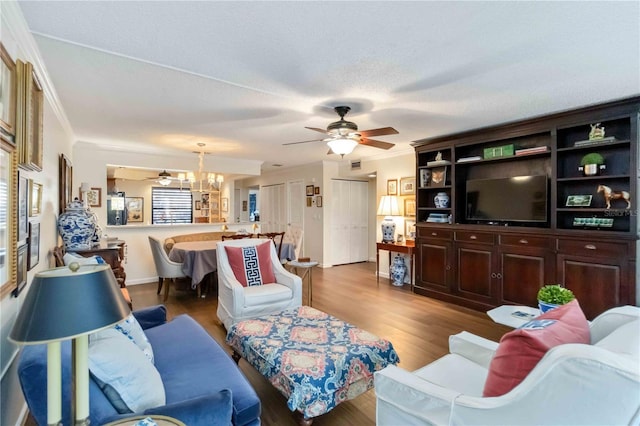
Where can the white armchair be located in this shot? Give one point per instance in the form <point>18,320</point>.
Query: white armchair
<point>573,384</point>
<point>237,303</point>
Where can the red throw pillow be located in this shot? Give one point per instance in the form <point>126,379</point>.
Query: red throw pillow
<point>252,265</point>
<point>521,349</point>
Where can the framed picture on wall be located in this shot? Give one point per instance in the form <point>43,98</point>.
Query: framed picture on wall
<point>23,208</point>
<point>410,206</point>
<point>407,186</point>
<point>309,190</point>
<point>65,181</point>
<point>392,187</point>
<point>7,95</point>
<point>21,276</point>
<point>94,197</point>
<point>35,198</point>
<point>34,245</point>
<point>225,205</point>
<point>135,209</point>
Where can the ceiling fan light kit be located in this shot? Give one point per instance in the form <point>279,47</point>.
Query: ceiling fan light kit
<point>342,146</point>
<point>344,135</point>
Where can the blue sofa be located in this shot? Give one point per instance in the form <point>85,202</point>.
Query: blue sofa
<point>203,385</point>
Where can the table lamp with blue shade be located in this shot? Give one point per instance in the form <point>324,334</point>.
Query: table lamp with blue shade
<point>65,303</point>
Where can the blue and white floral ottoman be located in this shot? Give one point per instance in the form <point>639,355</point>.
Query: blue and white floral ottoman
<point>314,359</point>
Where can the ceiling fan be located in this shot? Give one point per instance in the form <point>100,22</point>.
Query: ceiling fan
<point>164,178</point>
<point>343,135</point>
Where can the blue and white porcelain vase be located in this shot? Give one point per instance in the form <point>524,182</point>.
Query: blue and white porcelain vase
<point>398,270</point>
<point>77,227</point>
<point>441,200</point>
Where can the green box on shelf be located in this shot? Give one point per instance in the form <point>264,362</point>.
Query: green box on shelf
<point>499,151</point>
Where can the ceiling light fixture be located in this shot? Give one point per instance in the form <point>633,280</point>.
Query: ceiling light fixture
<point>164,178</point>
<point>212,179</point>
<point>342,145</point>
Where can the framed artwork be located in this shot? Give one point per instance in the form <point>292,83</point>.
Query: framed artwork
<point>244,205</point>
<point>309,201</point>
<point>21,273</point>
<point>35,198</point>
<point>135,209</point>
<point>198,205</point>
<point>425,177</point>
<point>9,211</point>
<point>316,190</point>
<point>579,200</point>
<point>225,205</point>
<point>410,228</point>
<point>407,186</point>
<point>438,176</point>
<point>392,187</point>
<point>65,181</point>
<point>34,245</point>
<point>8,84</point>
<point>205,201</point>
<point>30,113</point>
<point>318,200</point>
<point>23,208</point>
<point>94,197</point>
<point>309,190</point>
<point>410,206</point>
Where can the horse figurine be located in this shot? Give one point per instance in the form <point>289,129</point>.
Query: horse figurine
<point>614,195</point>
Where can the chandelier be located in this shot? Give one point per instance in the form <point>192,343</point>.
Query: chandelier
<point>201,179</point>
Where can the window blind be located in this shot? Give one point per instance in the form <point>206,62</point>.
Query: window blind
<point>170,205</point>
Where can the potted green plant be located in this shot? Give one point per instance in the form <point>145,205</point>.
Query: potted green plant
<point>553,295</point>
<point>591,164</point>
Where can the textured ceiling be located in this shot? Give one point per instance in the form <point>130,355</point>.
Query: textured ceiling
<point>246,77</point>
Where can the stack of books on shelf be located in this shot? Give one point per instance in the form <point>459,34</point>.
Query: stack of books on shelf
<point>438,163</point>
<point>534,150</point>
<point>438,218</point>
<point>610,139</point>
<point>467,159</point>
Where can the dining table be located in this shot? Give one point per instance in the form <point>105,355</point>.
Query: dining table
<point>198,258</point>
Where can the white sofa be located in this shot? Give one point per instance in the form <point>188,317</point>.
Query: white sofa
<point>573,384</point>
<point>237,303</point>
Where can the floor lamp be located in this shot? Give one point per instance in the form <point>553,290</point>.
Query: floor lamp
<point>69,303</point>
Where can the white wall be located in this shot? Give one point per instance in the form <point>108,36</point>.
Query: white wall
<point>57,139</point>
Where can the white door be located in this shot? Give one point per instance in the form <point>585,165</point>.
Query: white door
<point>349,221</point>
<point>272,209</point>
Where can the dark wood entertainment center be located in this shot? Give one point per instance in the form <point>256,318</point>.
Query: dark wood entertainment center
<point>482,265</point>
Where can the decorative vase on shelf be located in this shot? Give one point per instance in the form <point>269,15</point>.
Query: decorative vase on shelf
<point>397,271</point>
<point>441,200</point>
<point>77,227</point>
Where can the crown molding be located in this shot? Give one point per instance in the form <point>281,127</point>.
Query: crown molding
<point>13,21</point>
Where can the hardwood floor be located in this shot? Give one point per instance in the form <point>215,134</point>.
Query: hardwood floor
<point>417,326</point>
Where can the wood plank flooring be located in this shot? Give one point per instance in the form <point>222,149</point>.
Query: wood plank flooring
<point>417,326</point>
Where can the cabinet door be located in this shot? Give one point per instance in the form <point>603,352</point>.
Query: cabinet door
<point>475,266</point>
<point>596,283</point>
<point>433,269</point>
<point>522,272</point>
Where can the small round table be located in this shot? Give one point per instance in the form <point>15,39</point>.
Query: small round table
<point>160,421</point>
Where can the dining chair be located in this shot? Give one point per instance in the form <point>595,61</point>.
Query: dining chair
<point>236,237</point>
<point>165,267</point>
<point>276,237</point>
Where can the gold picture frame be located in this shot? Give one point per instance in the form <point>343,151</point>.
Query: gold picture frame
<point>392,186</point>
<point>410,207</point>
<point>35,198</point>
<point>30,107</point>
<point>225,205</point>
<point>408,185</point>
<point>135,209</point>
<point>65,182</point>
<point>8,208</point>
<point>8,93</point>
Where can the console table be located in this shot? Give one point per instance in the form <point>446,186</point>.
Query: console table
<point>408,247</point>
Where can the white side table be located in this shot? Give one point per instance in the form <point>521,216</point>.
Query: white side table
<point>510,315</point>
<point>305,271</point>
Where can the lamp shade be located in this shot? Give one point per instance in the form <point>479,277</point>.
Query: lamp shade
<point>342,146</point>
<point>388,206</point>
<point>62,304</point>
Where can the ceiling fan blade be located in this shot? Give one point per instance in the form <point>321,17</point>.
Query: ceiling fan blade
<point>295,143</point>
<point>376,144</point>
<point>330,152</point>
<point>316,129</point>
<point>379,132</point>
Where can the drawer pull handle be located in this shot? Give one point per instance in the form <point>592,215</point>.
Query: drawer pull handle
<point>434,234</point>
<point>523,241</point>
<point>473,237</point>
<point>590,247</point>
<point>493,275</point>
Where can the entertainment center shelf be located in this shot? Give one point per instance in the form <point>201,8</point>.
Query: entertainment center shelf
<point>520,212</point>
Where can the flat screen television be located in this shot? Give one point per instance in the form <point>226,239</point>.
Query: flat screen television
<point>518,200</point>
